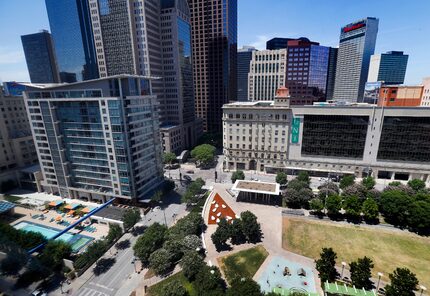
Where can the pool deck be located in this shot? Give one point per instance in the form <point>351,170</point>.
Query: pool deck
<point>102,230</point>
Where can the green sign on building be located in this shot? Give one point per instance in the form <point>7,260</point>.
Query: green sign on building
<point>295,130</point>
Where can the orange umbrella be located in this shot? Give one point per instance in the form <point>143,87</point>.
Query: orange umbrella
<point>71,212</point>
<point>58,218</point>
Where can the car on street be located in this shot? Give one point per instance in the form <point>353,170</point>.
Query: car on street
<point>39,293</point>
<point>190,172</point>
<point>188,178</point>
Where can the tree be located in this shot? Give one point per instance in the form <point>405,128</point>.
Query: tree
<point>204,154</point>
<point>281,178</point>
<point>191,264</point>
<point>417,184</point>
<point>368,182</point>
<point>333,204</point>
<point>15,260</point>
<point>192,194</point>
<point>193,223</point>
<point>352,206</point>
<point>361,272</point>
<point>347,180</point>
<point>236,232</point>
<point>316,205</point>
<point>131,217</point>
<point>115,232</point>
<point>151,240</point>
<point>303,176</point>
<point>221,234</point>
<point>157,197</point>
<point>394,183</point>
<point>245,286</point>
<point>169,158</point>
<point>395,206</point>
<point>326,189</point>
<point>370,209</point>
<point>298,198</point>
<point>357,190</point>
<point>209,282</point>
<point>237,175</point>
<point>160,261</point>
<point>297,184</point>
<point>173,288</point>
<point>326,265</point>
<point>251,228</point>
<point>419,217</point>
<point>53,254</point>
<point>174,247</point>
<point>403,282</point>
<point>191,243</point>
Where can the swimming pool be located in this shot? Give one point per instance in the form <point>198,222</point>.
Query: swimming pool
<point>76,241</point>
<point>273,277</point>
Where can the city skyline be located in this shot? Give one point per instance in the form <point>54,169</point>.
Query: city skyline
<point>398,34</point>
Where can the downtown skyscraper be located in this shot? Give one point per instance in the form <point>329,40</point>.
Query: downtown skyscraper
<point>356,46</point>
<point>214,43</point>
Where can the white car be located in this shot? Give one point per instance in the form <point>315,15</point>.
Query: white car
<point>39,293</point>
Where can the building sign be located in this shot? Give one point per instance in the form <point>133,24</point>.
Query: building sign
<point>353,27</point>
<point>295,129</point>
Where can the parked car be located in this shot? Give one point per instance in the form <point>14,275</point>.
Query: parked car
<point>188,178</point>
<point>190,172</point>
<point>39,293</point>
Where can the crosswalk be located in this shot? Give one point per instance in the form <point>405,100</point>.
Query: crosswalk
<point>90,292</point>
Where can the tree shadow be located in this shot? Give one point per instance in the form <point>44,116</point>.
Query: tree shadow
<point>138,230</point>
<point>103,265</point>
<point>122,245</point>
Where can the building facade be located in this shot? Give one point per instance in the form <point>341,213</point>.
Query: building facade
<point>425,99</point>
<point>97,139</point>
<point>40,57</point>
<point>17,148</point>
<point>267,73</point>
<point>331,73</point>
<point>277,43</point>
<point>307,71</point>
<point>214,47</point>
<point>389,67</point>
<point>70,24</point>
<point>356,45</point>
<point>244,57</point>
<point>400,95</point>
<point>389,143</point>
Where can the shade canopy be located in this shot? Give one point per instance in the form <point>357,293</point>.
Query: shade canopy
<point>56,203</point>
<point>87,209</point>
<point>72,206</point>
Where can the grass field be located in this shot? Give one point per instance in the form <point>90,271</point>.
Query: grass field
<point>244,263</point>
<point>156,289</point>
<point>388,249</point>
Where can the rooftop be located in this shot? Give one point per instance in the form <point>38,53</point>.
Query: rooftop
<point>257,187</point>
<point>111,212</point>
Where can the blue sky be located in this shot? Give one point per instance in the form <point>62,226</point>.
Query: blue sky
<point>403,25</point>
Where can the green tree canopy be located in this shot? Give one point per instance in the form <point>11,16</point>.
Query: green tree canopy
<point>394,206</point>
<point>347,180</point>
<point>333,204</point>
<point>53,254</point>
<point>361,272</point>
<point>352,206</point>
<point>115,232</point>
<point>281,178</point>
<point>192,194</point>
<point>326,265</point>
<point>151,240</point>
<point>15,260</point>
<point>204,154</point>
<point>251,227</point>
<point>368,182</point>
<point>161,261</point>
<point>237,175</point>
<point>131,217</point>
<point>316,205</point>
<point>209,282</point>
<point>173,288</point>
<point>237,232</point>
<point>244,286</point>
<point>221,234</point>
<point>419,217</point>
<point>169,157</point>
<point>403,282</point>
<point>191,264</point>
<point>303,176</point>
<point>417,184</point>
<point>370,209</point>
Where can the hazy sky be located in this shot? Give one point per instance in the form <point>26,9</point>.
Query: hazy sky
<point>403,25</point>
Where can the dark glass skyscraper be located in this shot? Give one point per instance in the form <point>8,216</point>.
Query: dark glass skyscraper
<point>277,43</point>
<point>244,57</point>
<point>40,57</point>
<point>214,43</point>
<point>73,39</point>
<point>388,67</point>
<point>331,74</point>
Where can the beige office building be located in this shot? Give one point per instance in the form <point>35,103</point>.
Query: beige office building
<point>266,74</point>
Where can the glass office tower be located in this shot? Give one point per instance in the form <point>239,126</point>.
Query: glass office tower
<point>97,139</point>
<point>244,57</point>
<point>71,31</point>
<point>356,45</point>
<point>388,67</point>
<point>40,57</point>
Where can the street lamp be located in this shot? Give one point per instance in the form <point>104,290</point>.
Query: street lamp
<point>422,289</point>
<point>380,274</point>
<point>343,268</point>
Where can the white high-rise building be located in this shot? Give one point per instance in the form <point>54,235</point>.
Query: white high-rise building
<point>356,46</point>
<point>267,73</point>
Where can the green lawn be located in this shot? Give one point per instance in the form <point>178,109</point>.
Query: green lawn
<point>156,289</point>
<point>244,263</point>
<point>388,249</point>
